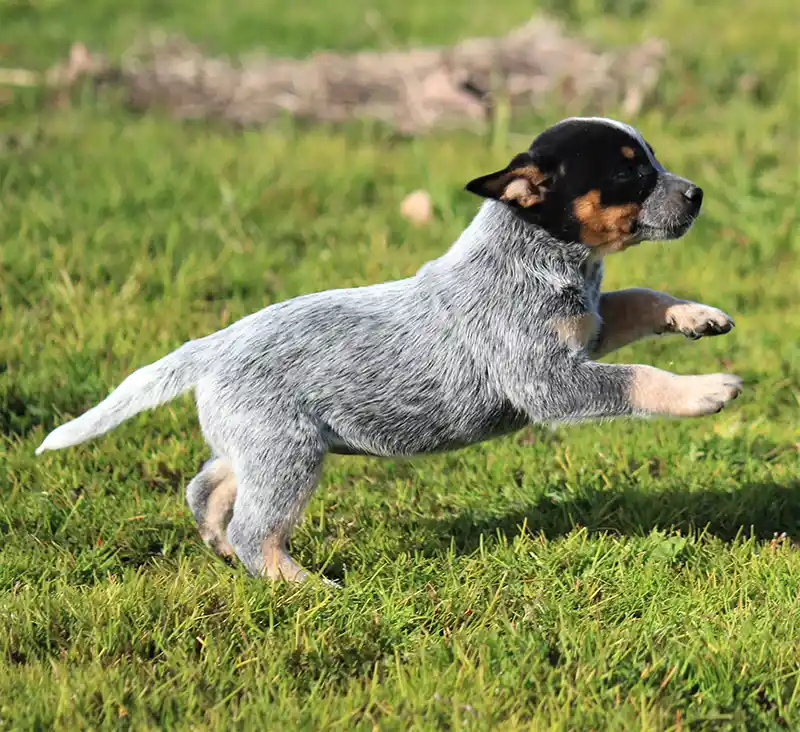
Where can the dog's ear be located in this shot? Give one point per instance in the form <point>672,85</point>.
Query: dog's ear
<point>521,183</point>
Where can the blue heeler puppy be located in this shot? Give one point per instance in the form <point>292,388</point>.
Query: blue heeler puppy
<point>499,332</point>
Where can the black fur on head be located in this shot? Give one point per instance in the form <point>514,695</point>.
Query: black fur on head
<point>596,181</point>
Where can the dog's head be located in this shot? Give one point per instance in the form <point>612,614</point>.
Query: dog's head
<point>596,181</point>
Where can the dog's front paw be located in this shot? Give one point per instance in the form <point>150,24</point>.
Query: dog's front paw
<point>707,394</point>
<point>695,320</point>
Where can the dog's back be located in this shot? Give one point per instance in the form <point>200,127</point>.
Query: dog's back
<point>383,370</point>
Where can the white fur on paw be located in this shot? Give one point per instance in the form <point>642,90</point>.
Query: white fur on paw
<point>708,394</point>
<point>695,320</point>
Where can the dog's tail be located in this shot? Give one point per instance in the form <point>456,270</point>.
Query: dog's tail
<point>146,388</point>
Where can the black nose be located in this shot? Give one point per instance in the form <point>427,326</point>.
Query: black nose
<point>694,194</point>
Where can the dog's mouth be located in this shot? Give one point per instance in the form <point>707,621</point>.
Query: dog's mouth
<point>674,229</point>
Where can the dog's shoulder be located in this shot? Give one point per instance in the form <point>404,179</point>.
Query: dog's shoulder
<point>573,310</point>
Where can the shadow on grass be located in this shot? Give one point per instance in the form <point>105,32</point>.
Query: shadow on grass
<point>760,510</point>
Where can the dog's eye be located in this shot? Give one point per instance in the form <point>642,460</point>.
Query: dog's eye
<point>626,174</point>
<point>629,174</point>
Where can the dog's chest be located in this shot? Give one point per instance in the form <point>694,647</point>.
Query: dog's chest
<point>578,332</point>
<point>578,324</point>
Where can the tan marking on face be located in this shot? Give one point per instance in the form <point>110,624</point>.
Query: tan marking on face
<point>277,562</point>
<point>628,152</point>
<point>606,228</point>
<point>577,331</point>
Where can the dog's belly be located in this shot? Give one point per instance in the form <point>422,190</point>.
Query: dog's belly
<point>437,433</point>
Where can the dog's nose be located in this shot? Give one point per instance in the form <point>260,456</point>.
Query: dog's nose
<point>694,194</point>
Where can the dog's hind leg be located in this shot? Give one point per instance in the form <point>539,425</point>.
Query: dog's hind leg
<point>211,495</point>
<point>275,476</point>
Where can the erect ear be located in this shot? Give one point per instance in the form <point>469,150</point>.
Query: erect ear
<point>520,183</point>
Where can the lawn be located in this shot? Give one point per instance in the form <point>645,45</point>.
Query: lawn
<point>624,576</point>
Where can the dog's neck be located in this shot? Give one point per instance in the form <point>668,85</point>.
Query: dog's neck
<point>497,233</point>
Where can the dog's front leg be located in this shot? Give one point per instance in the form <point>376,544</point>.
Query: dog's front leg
<point>629,315</point>
<point>591,390</point>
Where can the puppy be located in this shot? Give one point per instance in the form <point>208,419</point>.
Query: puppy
<point>501,331</point>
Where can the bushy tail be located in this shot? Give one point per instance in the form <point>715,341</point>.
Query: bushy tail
<point>143,389</point>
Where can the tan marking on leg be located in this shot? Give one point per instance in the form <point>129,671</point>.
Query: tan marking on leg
<point>606,228</point>
<point>278,564</point>
<point>628,315</point>
<point>219,509</point>
<point>655,391</point>
<point>576,332</point>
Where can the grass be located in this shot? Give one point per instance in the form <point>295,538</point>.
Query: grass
<point>625,576</point>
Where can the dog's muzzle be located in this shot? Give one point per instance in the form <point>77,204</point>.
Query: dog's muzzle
<point>671,208</point>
